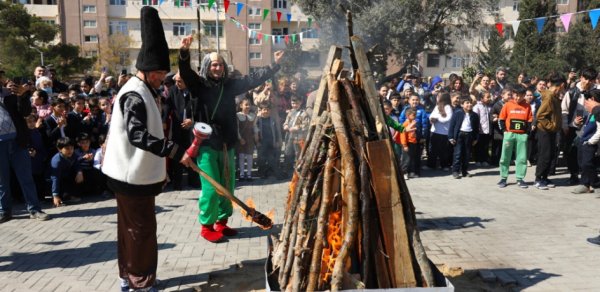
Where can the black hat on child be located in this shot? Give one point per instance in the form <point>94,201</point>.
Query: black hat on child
<point>154,54</point>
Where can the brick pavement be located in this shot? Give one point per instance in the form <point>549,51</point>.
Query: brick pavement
<point>531,237</point>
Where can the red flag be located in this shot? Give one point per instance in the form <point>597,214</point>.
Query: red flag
<point>259,36</point>
<point>500,29</point>
<point>278,16</point>
<point>226,4</point>
<point>287,39</point>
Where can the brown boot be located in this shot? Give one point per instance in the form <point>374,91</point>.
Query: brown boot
<point>221,226</point>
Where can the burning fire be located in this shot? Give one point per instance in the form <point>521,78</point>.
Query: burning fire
<point>250,203</point>
<point>334,243</point>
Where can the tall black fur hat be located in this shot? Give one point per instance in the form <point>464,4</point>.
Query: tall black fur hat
<point>154,54</point>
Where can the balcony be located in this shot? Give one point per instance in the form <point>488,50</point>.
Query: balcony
<point>43,11</point>
<point>165,11</point>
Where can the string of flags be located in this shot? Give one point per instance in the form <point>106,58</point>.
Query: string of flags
<point>255,34</point>
<point>565,19</point>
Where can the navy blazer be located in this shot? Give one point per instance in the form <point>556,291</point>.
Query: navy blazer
<point>456,121</point>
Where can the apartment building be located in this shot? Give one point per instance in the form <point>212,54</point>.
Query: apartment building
<point>90,24</point>
<point>468,44</point>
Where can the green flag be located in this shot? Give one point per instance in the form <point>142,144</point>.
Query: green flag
<point>266,37</point>
<point>265,14</point>
<point>293,38</point>
<point>210,4</point>
<point>309,22</point>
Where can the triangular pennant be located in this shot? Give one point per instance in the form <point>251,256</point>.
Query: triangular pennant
<point>278,16</point>
<point>259,36</point>
<point>203,8</point>
<point>210,4</point>
<point>254,34</point>
<point>515,26</point>
<point>237,24</point>
<point>309,22</point>
<point>250,33</point>
<point>293,38</point>
<point>160,2</point>
<point>594,14</point>
<point>540,21</point>
<point>287,39</point>
<point>500,29</point>
<point>289,18</point>
<point>301,36</point>
<point>244,27</point>
<point>566,20</point>
<point>273,38</point>
<point>265,14</point>
<point>240,6</point>
<point>266,37</point>
<point>226,4</point>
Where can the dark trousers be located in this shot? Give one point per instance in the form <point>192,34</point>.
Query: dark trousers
<point>532,147</point>
<point>586,161</point>
<point>136,240</point>
<point>482,148</point>
<point>268,160</point>
<point>570,152</point>
<point>176,173</point>
<point>546,145</point>
<point>440,148</point>
<point>93,182</point>
<point>462,152</point>
<point>411,159</point>
<point>496,151</point>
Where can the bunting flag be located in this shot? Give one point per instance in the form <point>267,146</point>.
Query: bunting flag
<point>273,38</point>
<point>540,21</point>
<point>259,36</point>
<point>500,29</point>
<point>226,4</point>
<point>160,2</point>
<point>289,18</point>
<point>278,17</point>
<point>301,36</point>
<point>265,14</point>
<point>594,14</point>
<point>240,6</point>
<point>566,20</point>
<point>266,37</point>
<point>515,26</point>
<point>293,39</point>
<point>309,22</point>
<point>249,33</point>
<point>278,39</point>
<point>287,39</point>
<point>210,4</point>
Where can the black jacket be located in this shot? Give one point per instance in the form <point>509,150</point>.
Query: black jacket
<point>19,107</point>
<point>457,120</point>
<point>220,115</point>
<point>178,102</point>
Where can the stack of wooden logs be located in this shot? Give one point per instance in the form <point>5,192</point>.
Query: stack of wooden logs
<point>350,222</point>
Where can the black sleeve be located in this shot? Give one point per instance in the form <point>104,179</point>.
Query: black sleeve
<point>502,125</point>
<point>596,113</point>
<point>24,104</point>
<point>255,79</point>
<point>191,79</point>
<point>134,111</point>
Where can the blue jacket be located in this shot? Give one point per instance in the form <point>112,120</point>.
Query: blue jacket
<point>589,129</point>
<point>456,121</point>
<point>422,119</point>
<point>62,168</point>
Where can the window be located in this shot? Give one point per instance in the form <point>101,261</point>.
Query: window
<point>280,31</point>
<point>254,26</point>
<point>91,54</point>
<point>50,21</point>
<point>44,2</point>
<point>253,11</point>
<point>117,2</point>
<point>562,2</point>
<point>182,28</point>
<point>310,33</point>
<point>91,39</point>
<point>210,29</point>
<point>516,5</point>
<point>118,27</point>
<point>255,41</point>
<point>149,2</point>
<point>280,4</point>
<point>255,56</point>
<point>89,9</point>
<point>455,62</point>
<point>181,3</point>
<point>433,60</point>
<point>89,23</point>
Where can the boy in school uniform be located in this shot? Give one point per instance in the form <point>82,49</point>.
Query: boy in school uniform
<point>269,143</point>
<point>65,173</point>
<point>463,133</point>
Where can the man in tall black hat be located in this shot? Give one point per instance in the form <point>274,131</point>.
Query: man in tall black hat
<point>135,158</point>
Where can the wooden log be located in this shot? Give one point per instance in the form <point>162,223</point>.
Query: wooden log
<point>350,26</point>
<point>368,85</point>
<point>391,213</point>
<point>320,100</point>
<point>315,266</point>
<point>349,175</point>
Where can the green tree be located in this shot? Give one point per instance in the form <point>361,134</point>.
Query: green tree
<point>579,47</point>
<point>403,28</point>
<point>65,58</point>
<point>20,33</point>
<point>494,52</point>
<point>535,53</point>
<point>292,62</point>
<point>114,54</point>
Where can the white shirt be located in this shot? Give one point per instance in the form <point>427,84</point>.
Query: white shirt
<point>466,124</point>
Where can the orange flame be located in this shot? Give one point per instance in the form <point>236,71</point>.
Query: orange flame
<point>334,243</point>
<point>271,214</point>
<point>250,203</point>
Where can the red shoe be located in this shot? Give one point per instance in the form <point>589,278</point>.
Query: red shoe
<point>209,233</point>
<point>221,226</point>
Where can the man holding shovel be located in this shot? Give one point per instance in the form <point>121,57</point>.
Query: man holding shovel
<point>215,105</point>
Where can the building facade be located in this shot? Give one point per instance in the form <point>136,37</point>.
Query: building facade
<point>97,25</point>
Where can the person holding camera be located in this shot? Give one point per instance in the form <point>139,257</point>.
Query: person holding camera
<point>480,85</point>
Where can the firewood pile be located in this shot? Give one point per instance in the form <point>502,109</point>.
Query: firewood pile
<point>349,222</point>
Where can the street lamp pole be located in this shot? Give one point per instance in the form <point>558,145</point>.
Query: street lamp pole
<point>41,54</point>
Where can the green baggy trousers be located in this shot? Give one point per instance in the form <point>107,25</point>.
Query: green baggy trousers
<point>510,142</point>
<point>214,207</point>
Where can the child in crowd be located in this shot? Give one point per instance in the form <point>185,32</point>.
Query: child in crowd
<point>38,154</point>
<point>462,133</point>
<point>56,124</point>
<point>588,148</point>
<point>483,108</point>
<point>515,121</point>
<point>440,121</point>
<point>247,136</point>
<point>65,173</point>
<point>411,154</point>
<point>269,143</point>
<point>295,125</point>
<point>85,158</point>
<point>40,102</point>
<point>396,136</point>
